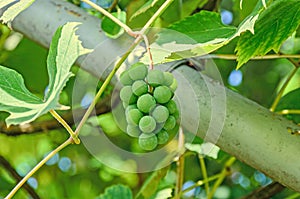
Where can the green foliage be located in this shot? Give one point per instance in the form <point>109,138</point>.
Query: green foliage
<point>272,28</point>
<point>150,187</point>
<point>290,101</point>
<point>110,28</point>
<point>22,105</point>
<point>196,35</point>
<point>116,191</point>
<point>13,10</point>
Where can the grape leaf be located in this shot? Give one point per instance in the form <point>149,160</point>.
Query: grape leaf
<point>22,105</point>
<point>272,28</point>
<point>196,35</point>
<point>207,149</point>
<point>116,191</point>
<point>290,101</point>
<point>14,10</point>
<point>144,13</point>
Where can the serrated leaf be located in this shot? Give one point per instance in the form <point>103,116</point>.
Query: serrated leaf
<point>272,28</point>
<point>14,10</point>
<point>112,29</point>
<point>196,35</point>
<point>149,188</point>
<point>144,13</point>
<point>207,149</point>
<point>290,101</point>
<point>116,191</point>
<point>22,105</point>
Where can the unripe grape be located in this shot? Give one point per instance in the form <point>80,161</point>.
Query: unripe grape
<point>160,114</point>
<point>146,103</point>
<point>174,85</point>
<point>172,107</point>
<point>129,107</point>
<point>169,78</point>
<point>162,94</point>
<point>127,95</point>
<point>155,78</point>
<point>133,131</point>
<point>133,116</point>
<point>176,114</point>
<point>162,137</point>
<point>138,71</point>
<point>170,123</point>
<point>125,78</point>
<point>147,124</point>
<point>139,87</point>
<point>148,141</point>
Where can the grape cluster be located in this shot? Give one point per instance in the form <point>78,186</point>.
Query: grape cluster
<point>150,111</point>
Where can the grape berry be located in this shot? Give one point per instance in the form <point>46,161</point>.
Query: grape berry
<point>150,111</point>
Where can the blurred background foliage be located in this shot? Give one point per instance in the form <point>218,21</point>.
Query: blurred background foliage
<point>74,173</point>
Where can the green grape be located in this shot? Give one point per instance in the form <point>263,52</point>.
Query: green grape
<point>155,78</point>
<point>162,137</point>
<point>176,114</point>
<point>162,94</point>
<point>169,78</point>
<point>125,78</point>
<point>147,124</point>
<point>127,95</point>
<point>148,141</point>
<point>133,131</point>
<point>146,103</point>
<point>138,71</point>
<point>133,116</point>
<point>172,107</point>
<point>139,87</point>
<point>170,123</point>
<point>129,107</point>
<point>174,85</point>
<point>160,114</point>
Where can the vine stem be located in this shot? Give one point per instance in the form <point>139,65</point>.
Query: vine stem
<point>66,126</point>
<point>225,172</point>
<point>109,15</point>
<point>204,173</point>
<point>200,183</point>
<point>280,93</point>
<point>286,111</point>
<point>38,166</point>
<point>180,164</point>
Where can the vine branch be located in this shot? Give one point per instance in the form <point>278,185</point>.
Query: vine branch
<point>17,177</point>
<point>37,167</point>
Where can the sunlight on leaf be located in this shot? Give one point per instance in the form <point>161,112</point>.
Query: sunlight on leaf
<point>207,149</point>
<point>116,191</point>
<point>22,105</point>
<point>272,28</point>
<point>14,10</point>
<point>196,35</point>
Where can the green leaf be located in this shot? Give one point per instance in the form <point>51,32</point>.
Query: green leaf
<point>22,105</point>
<point>207,149</point>
<point>272,28</point>
<point>112,29</point>
<point>14,10</point>
<point>144,13</point>
<point>288,102</point>
<point>189,6</point>
<point>149,188</point>
<point>116,191</point>
<point>196,35</point>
